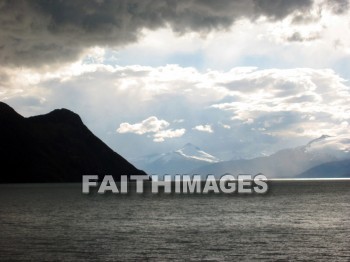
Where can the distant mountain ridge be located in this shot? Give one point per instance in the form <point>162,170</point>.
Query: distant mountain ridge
<point>289,163</point>
<point>327,170</point>
<point>175,162</point>
<point>56,147</point>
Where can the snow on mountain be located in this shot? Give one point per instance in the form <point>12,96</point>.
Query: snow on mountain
<point>287,162</point>
<point>190,151</point>
<point>332,146</point>
<point>175,162</point>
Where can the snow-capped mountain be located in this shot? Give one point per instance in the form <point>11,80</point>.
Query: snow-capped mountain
<point>288,162</point>
<point>193,152</point>
<point>175,162</point>
<point>329,146</point>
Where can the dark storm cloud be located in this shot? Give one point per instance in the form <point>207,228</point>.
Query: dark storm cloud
<point>278,9</point>
<point>39,32</point>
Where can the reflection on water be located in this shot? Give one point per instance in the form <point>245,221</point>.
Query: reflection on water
<point>294,221</point>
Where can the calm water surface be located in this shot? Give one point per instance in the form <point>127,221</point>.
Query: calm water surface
<point>296,221</point>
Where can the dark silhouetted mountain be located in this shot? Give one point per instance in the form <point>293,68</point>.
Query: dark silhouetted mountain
<point>56,147</point>
<point>336,169</point>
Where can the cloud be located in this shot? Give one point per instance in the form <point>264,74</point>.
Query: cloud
<point>263,43</point>
<point>295,102</point>
<point>338,6</point>
<point>52,32</point>
<point>149,125</point>
<point>169,133</point>
<point>303,101</point>
<point>265,108</point>
<point>297,37</point>
<point>119,49</point>
<point>178,121</point>
<point>204,128</point>
<point>225,126</point>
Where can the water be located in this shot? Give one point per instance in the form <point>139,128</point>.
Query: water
<point>298,221</point>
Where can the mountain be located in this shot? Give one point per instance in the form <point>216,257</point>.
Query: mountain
<point>335,169</point>
<point>288,162</point>
<point>175,162</point>
<point>56,147</point>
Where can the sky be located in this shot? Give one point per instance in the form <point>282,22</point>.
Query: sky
<point>239,79</point>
